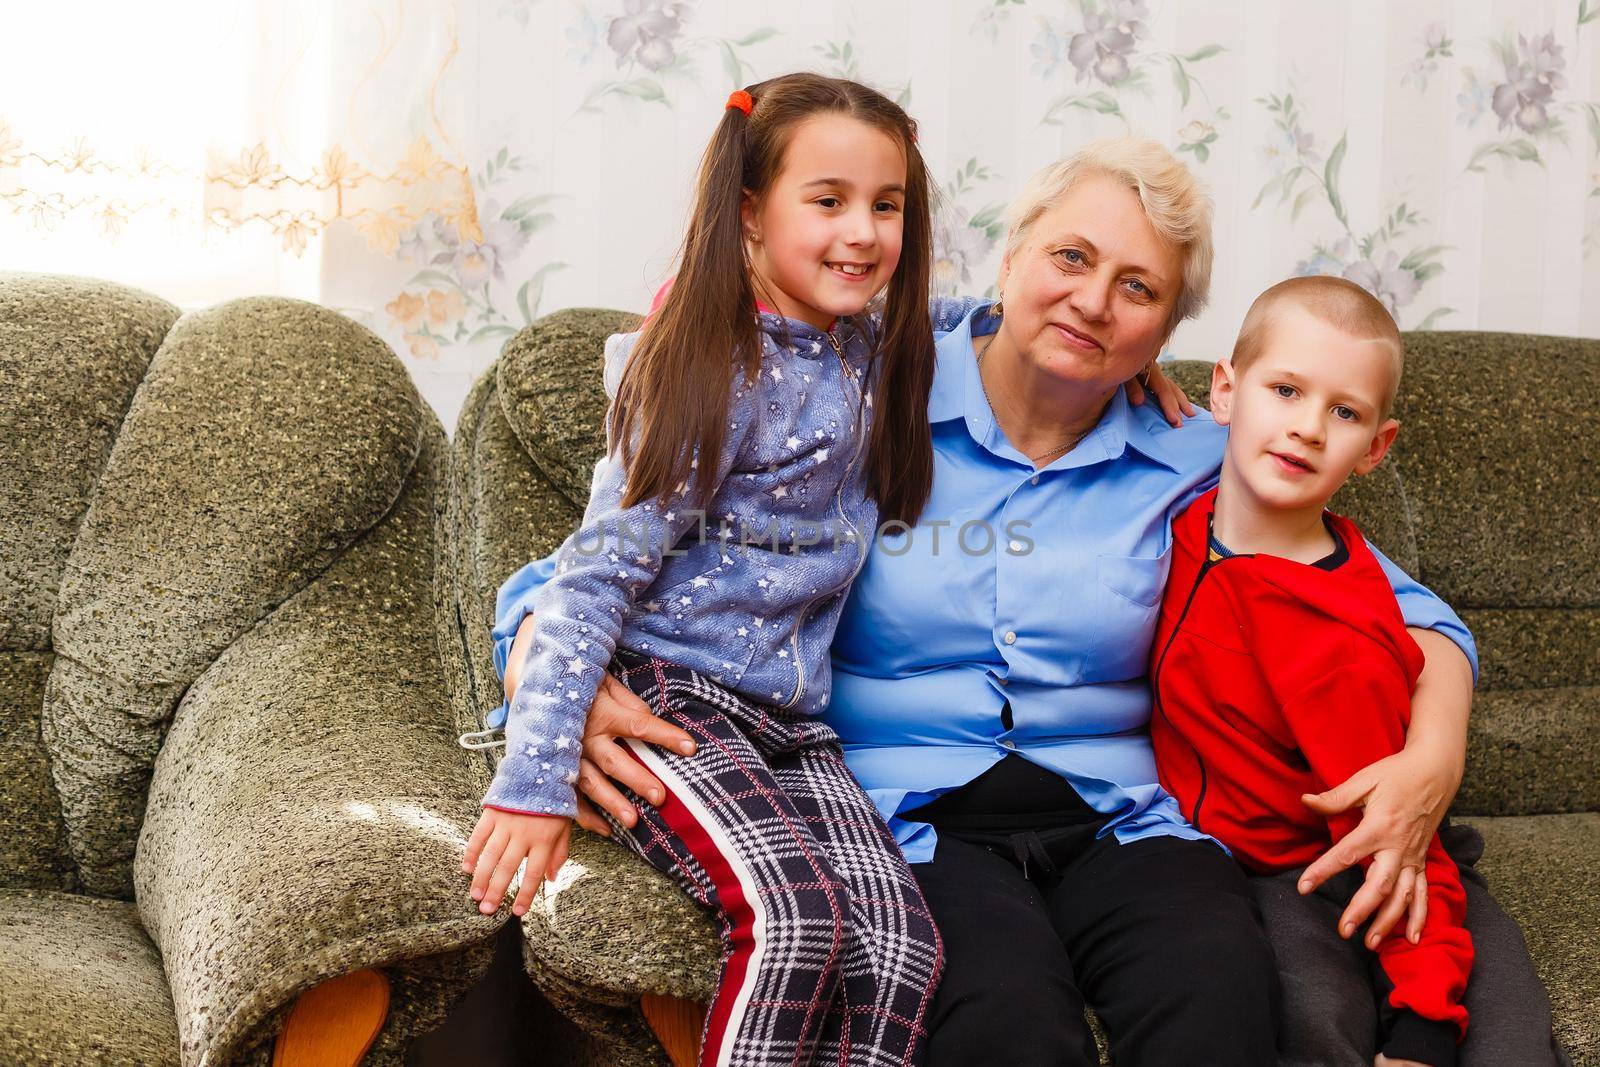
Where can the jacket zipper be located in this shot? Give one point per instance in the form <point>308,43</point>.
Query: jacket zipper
<point>838,498</point>
<point>1155,681</point>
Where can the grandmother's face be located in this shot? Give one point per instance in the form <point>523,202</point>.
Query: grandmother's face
<point>1088,293</point>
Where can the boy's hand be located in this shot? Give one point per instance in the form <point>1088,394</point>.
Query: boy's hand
<point>1169,397</point>
<point>499,844</point>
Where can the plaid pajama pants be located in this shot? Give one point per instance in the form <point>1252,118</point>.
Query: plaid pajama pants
<point>829,953</point>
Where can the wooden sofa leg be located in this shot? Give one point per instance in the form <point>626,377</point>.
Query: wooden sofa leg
<point>335,1023</point>
<point>678,1024</point>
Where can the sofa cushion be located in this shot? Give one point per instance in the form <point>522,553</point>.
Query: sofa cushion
<point>1535,648</point>
<point>33,844</point>
<point>549,381</point>
<point>80,984</point>
<point>1532,751</point>
<point>1545,871</point>
<point>267,435</point>
<point>72,350</point>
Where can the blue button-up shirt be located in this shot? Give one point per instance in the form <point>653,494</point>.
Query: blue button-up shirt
<point>1037,588</point>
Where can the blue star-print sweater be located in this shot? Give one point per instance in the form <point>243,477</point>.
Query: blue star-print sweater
<point>746,589</point>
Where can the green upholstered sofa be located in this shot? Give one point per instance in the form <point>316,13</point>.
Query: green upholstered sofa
<point>1491,498</point>
<point>228,758</point>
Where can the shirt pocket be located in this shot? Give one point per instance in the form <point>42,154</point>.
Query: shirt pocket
<point>1127,598</point>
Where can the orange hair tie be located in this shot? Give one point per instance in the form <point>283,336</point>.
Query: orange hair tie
<point>741,100</point>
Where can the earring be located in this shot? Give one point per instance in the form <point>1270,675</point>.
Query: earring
<point>996,309</point>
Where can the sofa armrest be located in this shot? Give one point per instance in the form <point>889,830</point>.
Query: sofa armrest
<point>310,807</point>
<point>617,929</point>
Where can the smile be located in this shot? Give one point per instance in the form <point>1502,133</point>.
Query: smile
<point>850,270</point>
<point>1076,339</point>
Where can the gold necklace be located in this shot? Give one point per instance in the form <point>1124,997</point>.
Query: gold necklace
<point>1036,460</point>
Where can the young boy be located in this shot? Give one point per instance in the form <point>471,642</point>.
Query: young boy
<point>1281,664</point>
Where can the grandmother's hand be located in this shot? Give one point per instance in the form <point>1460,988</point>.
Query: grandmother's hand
<point>617,712</point>
<point>1404,797</point>
<point>1169,395</point>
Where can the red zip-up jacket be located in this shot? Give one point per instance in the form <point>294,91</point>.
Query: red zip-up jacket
<point>1273,679</point>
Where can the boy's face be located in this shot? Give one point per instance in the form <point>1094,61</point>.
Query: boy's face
<point>1304,414</point>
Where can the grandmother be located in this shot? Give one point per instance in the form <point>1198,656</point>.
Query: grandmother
<point>990,665</point>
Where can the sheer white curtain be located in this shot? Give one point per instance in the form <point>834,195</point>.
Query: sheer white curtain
<point>446,172</point>
<point>208,150</point>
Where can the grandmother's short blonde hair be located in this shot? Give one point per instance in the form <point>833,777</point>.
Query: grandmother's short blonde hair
<point>1175,201</point>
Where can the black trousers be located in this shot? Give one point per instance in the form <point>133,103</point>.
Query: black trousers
<point>1039,916</point>
<point>1329,1015</point>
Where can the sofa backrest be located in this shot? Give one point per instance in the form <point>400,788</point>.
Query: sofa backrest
<point>1499,449</point>
<point>264,436</point>
<point>72,352</point>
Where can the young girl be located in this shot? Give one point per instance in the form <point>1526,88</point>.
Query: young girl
<point>762,426</point>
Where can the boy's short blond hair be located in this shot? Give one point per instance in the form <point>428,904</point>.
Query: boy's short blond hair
<point>1339,303</point>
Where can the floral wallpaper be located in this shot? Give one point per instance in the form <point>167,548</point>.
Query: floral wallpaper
<point>451,171</point>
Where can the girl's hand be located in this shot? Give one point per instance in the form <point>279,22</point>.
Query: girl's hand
<point>499,844</point>
<point>1171,399</point>
<point>1404,797</point>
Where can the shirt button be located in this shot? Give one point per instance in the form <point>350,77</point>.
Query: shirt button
<point>1015,546</point>
<point>1008,743</point>
<point>1011,637</point>
<point>1034,480</point>
<point>1003,681</point>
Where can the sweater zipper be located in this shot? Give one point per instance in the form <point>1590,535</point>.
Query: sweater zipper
<point>1155,682</point>
<point>794,635</point>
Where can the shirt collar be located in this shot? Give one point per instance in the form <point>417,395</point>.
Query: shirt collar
<point>958,393</point>
<point>948,398</point>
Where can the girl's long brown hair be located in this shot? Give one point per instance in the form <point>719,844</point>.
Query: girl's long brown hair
<point>674,392</point>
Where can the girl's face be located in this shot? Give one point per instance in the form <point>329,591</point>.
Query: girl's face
<point>825,237</point>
